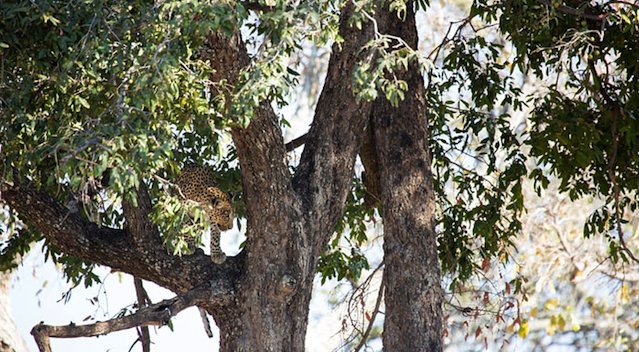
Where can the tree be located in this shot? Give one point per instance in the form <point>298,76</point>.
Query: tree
<point>107,101</point>
<point>127,99</point>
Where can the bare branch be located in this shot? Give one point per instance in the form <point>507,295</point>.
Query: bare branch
<point>290,146</point>
<point>157,314</point>
<point>378,303</point>
<point>143,301</point>
<point>206,323</point>
<point>628,3</point>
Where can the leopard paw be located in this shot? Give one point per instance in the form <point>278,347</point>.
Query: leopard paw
<point>218,257</point>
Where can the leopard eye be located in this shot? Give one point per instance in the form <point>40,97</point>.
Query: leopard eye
<point>214,201</point>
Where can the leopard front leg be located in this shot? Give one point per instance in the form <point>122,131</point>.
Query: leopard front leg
<point>190,242</point>
<point>217,256</point>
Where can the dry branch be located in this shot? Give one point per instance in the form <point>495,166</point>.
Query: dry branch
<point>143,301</point>
<point>157,314</point>
<point>297,142</point>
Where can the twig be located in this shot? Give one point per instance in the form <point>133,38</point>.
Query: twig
<point>357,294</point>
<point>378,303</point>
<point>143,300</point>
<point>616,110</point>
<point>446,39</point>
<point>296,142</point>
<point>157,314</point>
<point>572,11</point>
<point>205,322</point>
<point>635,5</point>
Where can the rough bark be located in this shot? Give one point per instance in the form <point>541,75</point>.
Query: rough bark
<point>10,339</point>
<point>413,297</point>
<point>290,221</point>
<point>370,176</point>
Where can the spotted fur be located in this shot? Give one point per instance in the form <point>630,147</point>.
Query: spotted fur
<point>198,184</point>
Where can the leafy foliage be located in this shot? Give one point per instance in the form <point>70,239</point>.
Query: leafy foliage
<point>584,131</point>
<point>343,257</point>
<point>102,97</point>
<point>583,127</point>
<point>478,161</point>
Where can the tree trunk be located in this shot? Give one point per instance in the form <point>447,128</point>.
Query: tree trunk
<point>413,296</point>
<point>290,221</point>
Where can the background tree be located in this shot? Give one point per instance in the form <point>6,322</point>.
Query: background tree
<point>129,97</point>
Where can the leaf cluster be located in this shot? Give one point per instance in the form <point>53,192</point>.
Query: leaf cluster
<point>584,130</point>
<point>343,256</point>
<point>478,161</point>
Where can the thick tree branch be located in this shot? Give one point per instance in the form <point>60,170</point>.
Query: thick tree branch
<point>76,236</point>
<point>326,167</point>
<point>144,233</point>
<point>157,314</point>
<point>287,226</point>
<point>260,146</point>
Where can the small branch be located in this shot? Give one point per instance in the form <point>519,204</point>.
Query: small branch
<point>142,295</point>
<point>158,314</point>
<point>206,323</point>
<point>378,303</point>
<point>290,146</point>
<point>143,300</point>
<point>463,23</point>
<point>635,5</point>
<point>572,11</point>
<point>617,111</point>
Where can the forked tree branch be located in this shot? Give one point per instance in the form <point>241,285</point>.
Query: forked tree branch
<point>157,314</point>
<point>326,165</point>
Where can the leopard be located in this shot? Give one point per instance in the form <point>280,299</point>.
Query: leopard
<point>197,183</point>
